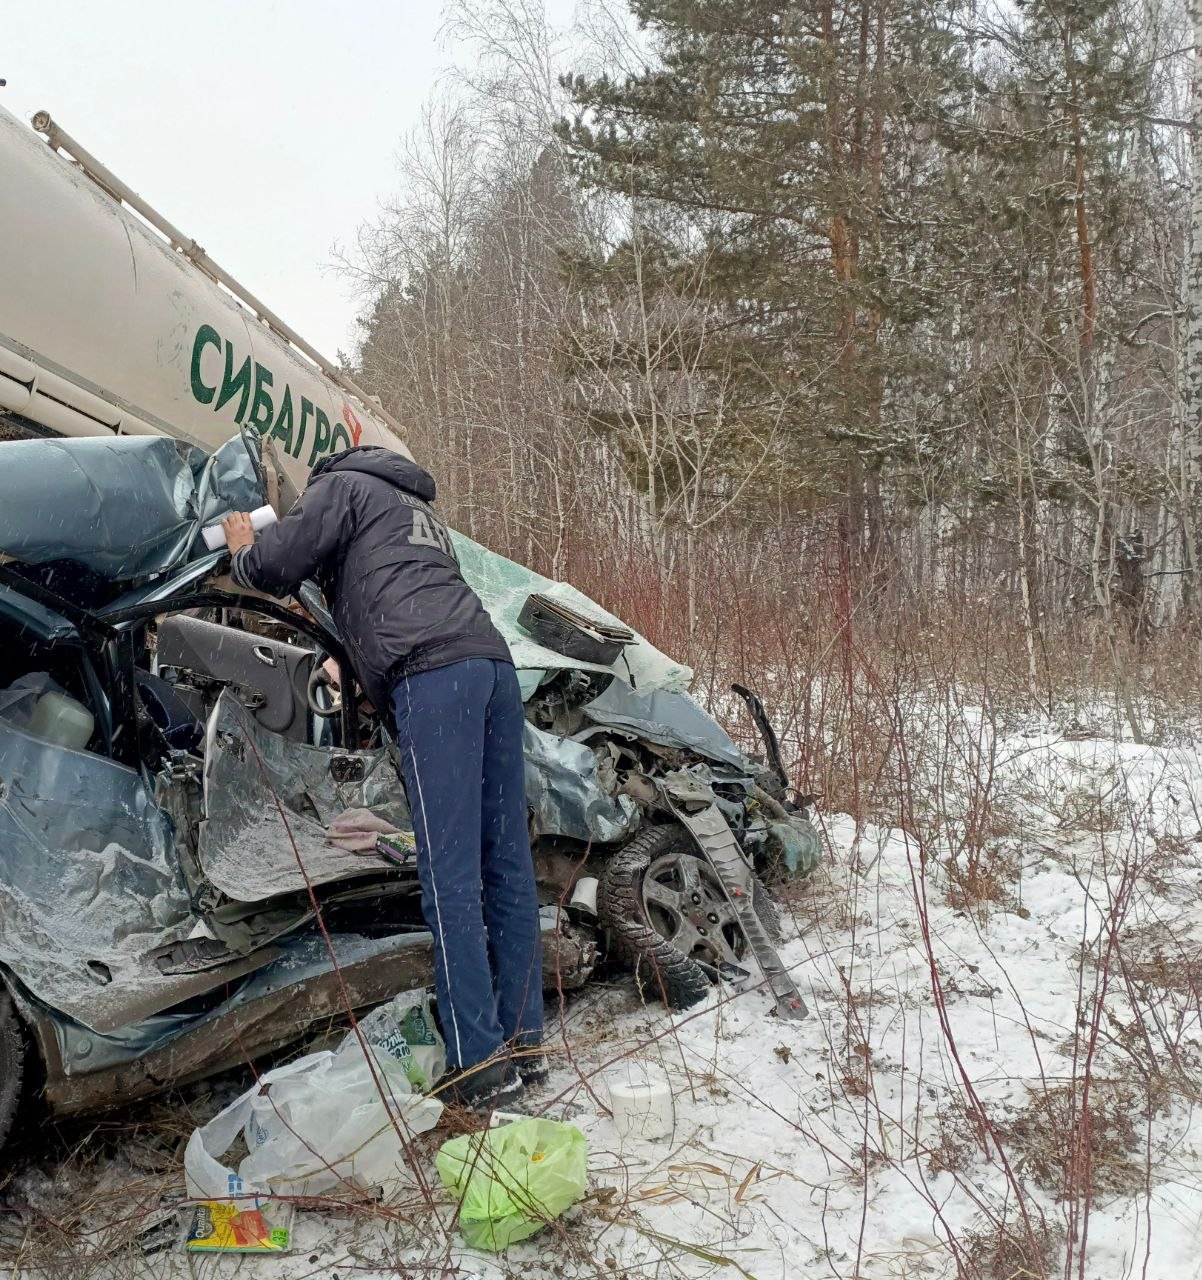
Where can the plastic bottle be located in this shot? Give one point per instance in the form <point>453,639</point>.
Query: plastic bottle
<point>63,720</point>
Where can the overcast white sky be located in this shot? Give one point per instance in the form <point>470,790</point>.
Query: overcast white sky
<point>265,129</point>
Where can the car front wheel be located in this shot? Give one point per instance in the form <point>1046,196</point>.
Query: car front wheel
<point>667,914</point>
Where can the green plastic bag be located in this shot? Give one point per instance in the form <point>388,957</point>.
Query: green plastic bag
<point>511,1181</point>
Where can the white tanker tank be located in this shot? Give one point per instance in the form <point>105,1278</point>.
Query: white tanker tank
<point>114,322</point>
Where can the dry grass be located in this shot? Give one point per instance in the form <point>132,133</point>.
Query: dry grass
<point>1010,1251</point>
<point>1161,957</point>
<point>898,725</point>
<point>1072,1145</point>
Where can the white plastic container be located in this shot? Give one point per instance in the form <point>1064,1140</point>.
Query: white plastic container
<point>499,1118</point>
<point>61,719</point>
<point>214,534</point>
<point>584,897</point>
<point>640,1098</point>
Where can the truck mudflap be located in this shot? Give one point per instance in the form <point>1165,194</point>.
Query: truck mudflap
<point>693,804</point>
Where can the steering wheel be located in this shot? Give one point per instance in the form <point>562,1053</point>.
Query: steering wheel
<point>318,677</point>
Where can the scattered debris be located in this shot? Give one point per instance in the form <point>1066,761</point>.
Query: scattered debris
<point>513,1180</point>
<point>328,1121</point>
<point>640,1098</point>
<point>224,1226</point>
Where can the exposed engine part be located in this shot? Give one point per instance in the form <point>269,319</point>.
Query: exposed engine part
<point>640,788</point>
<point>570,954</point>
<point>770,803</point>
<point>556,707</point>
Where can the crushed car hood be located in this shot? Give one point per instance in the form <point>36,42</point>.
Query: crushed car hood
<point>504,587</point>
<point>124,507</point>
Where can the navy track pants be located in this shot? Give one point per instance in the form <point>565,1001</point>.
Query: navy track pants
<point>459,730</point>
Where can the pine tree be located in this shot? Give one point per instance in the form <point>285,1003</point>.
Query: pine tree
<point>788,151</point>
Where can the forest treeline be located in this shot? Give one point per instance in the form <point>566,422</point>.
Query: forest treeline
<point>904,297</point>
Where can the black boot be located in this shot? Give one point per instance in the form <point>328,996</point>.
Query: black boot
<point>488,1086</point>
<point>532,1065</point>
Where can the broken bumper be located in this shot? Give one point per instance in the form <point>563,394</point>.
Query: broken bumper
<point>278,1005</point>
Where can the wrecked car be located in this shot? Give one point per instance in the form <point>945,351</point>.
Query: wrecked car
<point>176,759</point>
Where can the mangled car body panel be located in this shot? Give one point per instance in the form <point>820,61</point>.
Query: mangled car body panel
<point>121,507</point>
<point>269,802</point>
<point>159,891</point>
<point>87,884</point>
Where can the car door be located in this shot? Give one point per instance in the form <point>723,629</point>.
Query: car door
<point>269,801</point>
<point>88,883</point>
<point>252,801</point>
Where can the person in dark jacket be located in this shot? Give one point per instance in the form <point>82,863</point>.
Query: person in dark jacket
<point>423,645</point>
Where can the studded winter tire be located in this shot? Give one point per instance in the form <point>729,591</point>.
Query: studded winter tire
<point>666,914</point>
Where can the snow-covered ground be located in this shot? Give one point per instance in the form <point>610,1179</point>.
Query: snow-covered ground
<point>997,1077</point>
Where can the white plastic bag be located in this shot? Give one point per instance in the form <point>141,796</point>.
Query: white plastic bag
<point>314,1126</point>
<point>404,1031</point>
